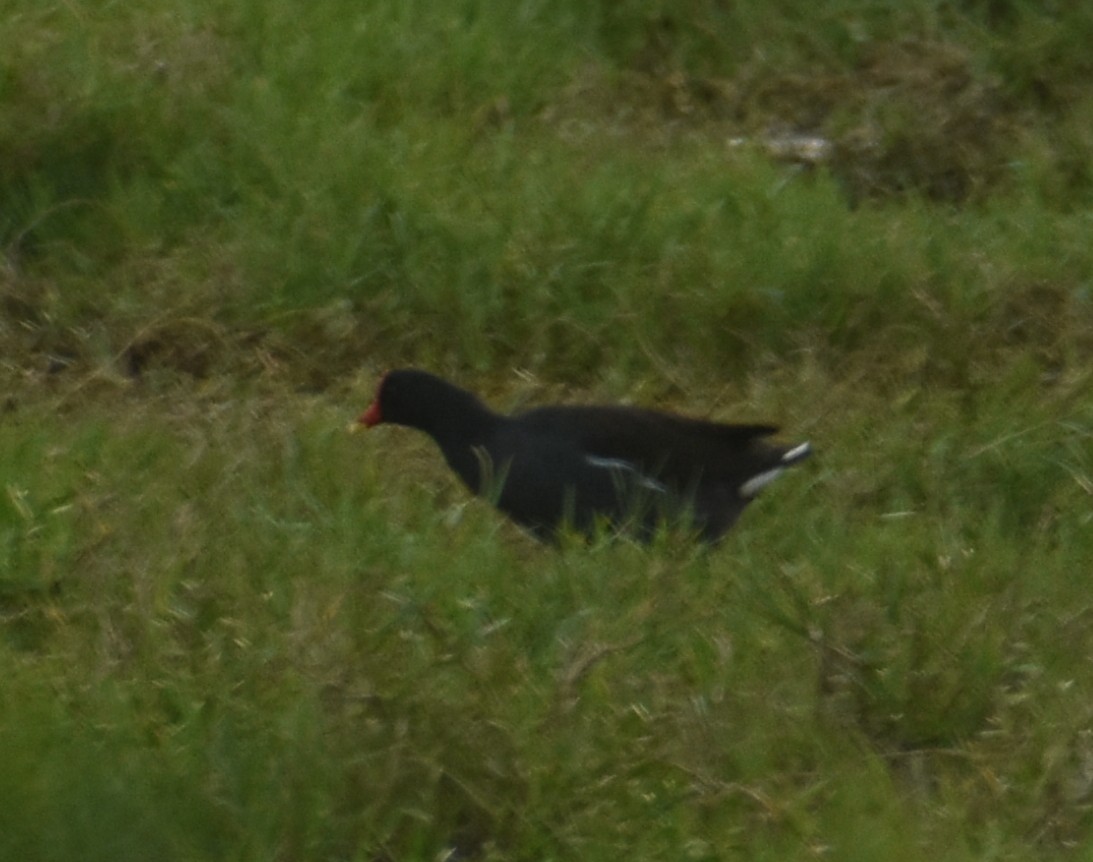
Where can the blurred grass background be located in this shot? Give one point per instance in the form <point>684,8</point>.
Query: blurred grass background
<point>227,630</point>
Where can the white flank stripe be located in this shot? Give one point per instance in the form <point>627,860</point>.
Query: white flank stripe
<point>619,464</point>
<point>797,453</point>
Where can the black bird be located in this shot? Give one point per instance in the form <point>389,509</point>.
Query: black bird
<point>583,466</point>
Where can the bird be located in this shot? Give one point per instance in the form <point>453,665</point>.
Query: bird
<point>586,468</point>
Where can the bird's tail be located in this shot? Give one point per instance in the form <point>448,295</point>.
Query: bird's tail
<point>760,480</point>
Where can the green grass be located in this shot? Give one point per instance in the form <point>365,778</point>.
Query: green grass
<point>229,630</point>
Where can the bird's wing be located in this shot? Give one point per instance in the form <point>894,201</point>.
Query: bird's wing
<point>669,448</point>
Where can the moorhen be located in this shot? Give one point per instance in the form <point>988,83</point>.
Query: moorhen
<point>585,466</point>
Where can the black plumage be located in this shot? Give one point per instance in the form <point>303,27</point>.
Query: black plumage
<point>623,467</point>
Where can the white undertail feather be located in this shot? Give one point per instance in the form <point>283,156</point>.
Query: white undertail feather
<point>760,480</point>
<point>797,453</point>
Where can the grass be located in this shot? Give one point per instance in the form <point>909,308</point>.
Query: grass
<point>230,630</point>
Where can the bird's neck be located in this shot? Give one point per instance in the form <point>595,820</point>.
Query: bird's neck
<point>463,428</point>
